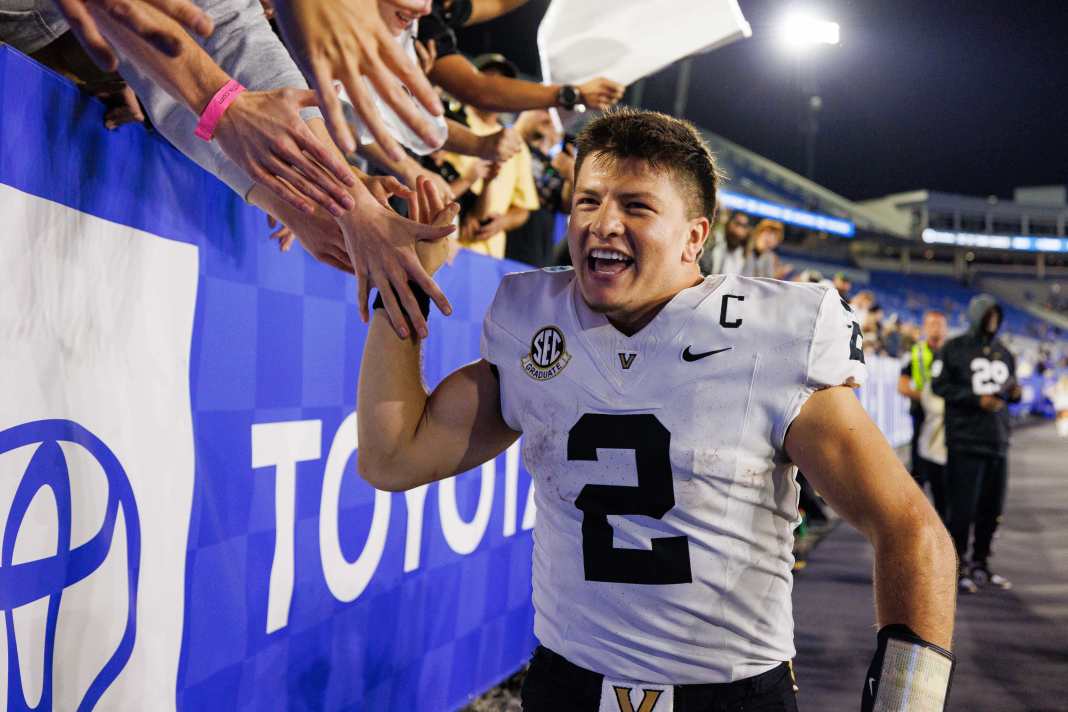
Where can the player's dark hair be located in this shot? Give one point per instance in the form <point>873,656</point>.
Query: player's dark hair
<point>662,141</point>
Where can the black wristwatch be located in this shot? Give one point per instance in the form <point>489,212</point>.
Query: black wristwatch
<point>568,97</point>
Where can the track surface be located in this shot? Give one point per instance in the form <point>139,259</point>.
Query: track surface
<point>1011,646</point>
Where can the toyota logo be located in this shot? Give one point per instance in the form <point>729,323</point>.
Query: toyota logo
<point>47,578</point>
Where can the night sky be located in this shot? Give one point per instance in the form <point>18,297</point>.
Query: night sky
<point>965,96</point>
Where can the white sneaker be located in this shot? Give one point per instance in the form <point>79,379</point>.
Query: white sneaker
<point>965,584</point>
<point>983,576</point>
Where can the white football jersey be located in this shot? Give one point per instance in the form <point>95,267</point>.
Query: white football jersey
<point>665,501</point>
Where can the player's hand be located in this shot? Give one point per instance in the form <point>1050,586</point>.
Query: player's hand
<point>429,208</point>
<point>381,250</point>
<point>262,132</point>
<point>500,145</point>
<point>601,93</point>
<point>347,40</point>
<point>991,404</point>
<point>132,15</point>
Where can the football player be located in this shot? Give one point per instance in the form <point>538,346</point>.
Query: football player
<point>664,416</point>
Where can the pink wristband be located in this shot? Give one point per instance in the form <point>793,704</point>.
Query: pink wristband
<point>216,108</point>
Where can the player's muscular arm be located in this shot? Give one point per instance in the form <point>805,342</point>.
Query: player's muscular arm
<point>407,435</point>
<point>849,462</point>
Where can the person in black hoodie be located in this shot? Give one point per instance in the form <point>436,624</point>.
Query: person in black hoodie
<point>976,375</point>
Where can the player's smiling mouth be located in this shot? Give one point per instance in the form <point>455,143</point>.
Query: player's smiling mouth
<point>608,262</point>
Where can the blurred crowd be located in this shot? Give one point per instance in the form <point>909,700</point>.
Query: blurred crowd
<point>331,115</point>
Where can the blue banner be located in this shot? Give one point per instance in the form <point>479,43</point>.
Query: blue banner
<point>186,404</point>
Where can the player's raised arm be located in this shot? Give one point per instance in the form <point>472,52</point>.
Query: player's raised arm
<point>407,436</point>
<point>847,459</point>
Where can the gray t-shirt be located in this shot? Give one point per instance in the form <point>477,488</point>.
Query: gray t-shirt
<point>246,48</point>
<point>243,44</point>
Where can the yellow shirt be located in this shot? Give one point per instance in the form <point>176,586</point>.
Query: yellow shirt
<point>513,186</point>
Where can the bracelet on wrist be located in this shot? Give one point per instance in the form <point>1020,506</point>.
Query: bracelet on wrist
<point>209,118</point>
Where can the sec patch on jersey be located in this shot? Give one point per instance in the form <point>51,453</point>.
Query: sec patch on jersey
<point>548,354</point>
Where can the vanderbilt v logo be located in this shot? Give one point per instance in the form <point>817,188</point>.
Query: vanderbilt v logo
<point>649,697</point>
<point>627,360</point>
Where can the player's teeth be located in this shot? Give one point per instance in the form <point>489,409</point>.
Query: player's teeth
<point>608,255</point>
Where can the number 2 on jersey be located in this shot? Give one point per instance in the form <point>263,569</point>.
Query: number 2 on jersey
<point>668,561</point>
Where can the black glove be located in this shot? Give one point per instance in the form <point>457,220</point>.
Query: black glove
<point>907,672</point>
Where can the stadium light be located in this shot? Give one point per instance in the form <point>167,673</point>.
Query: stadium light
<point>799,30</point>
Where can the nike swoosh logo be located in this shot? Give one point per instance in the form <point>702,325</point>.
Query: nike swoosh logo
<point>871,686</point>
<point>688,355</point>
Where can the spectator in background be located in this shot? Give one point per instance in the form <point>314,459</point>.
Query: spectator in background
<point>553,168</point>
<point>158,24</point>
<point>64,55</point>
<point>910,335</point>
<point>1058,396</point>
<point>914,379</point>
<point>348,41</point>
<point>976,375</point>
<point>763,262</point>
<point>862,303</point>
<point>459,183</point>
<point>891,336</point>
<point>872,329</point>
<point>506,197</point>
<point>258,134</point>
<point>498,92</point>
<point>729,255</point>
<point>931,447</point>
<point>809,276</point>
<point>401,24</point>
<point>843,284</point>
